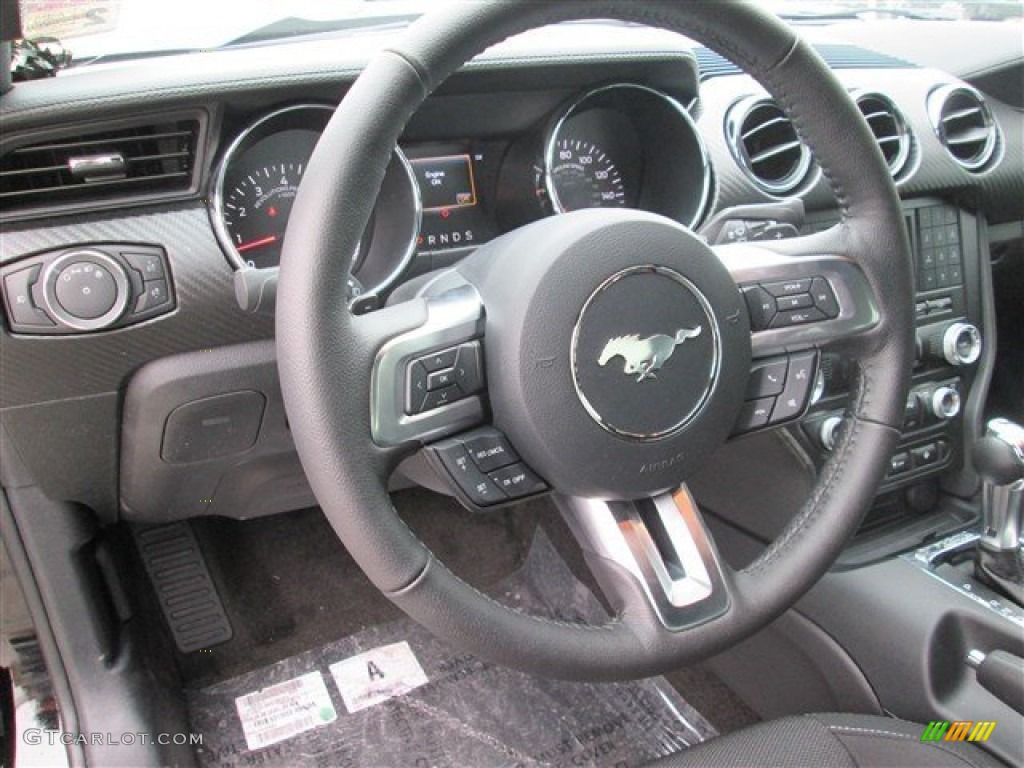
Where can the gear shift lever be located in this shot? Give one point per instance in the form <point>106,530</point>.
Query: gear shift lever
<point>999,459</point>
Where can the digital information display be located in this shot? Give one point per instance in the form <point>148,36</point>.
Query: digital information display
<point>445,182</point>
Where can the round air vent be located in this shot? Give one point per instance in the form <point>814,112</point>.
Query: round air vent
<point>964,124</point>
<point>889,128</point>
<point>765,144</point>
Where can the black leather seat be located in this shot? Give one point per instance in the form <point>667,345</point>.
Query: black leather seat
<point>831,741</point>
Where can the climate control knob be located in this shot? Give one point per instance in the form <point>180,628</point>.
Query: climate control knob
<point>944,402</point>
<point>86,289</point>
<point>961,344</point>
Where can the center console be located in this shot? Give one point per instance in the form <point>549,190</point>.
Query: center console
<point>950,342</point>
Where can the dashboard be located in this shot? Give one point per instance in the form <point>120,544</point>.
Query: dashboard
<point>617,145</point>
<point>144,208</point>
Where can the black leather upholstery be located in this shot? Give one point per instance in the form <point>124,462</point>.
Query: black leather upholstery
<point>831,741</point>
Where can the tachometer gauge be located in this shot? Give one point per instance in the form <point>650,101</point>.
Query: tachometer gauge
<point>258,179</point>
<point>256,210</point>
<point>582,175</point>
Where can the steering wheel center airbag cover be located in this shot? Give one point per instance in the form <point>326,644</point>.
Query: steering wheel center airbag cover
<point>629,331</point>
<point>618,349</point>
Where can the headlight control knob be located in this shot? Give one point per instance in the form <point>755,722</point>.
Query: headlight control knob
<point>961,344</point>
<point>86,289</point>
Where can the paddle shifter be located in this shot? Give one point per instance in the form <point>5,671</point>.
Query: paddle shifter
<point>999,459</point>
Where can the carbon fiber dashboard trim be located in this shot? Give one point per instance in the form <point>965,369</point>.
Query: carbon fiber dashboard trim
<point>42,369</point>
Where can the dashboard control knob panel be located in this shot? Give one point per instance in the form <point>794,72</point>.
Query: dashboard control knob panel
<point>945,402</point>
<point>958,343</point>
<point>961,344</point>
<point>87,288</point>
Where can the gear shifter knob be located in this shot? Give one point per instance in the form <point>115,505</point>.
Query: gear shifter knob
<point>997,462</point>
<point>999,459</point>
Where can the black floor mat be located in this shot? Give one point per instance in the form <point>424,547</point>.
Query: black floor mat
<point>395,695</point>
<point>289,586</point>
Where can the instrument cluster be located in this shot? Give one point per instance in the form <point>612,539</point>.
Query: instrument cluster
<point>620,145</point>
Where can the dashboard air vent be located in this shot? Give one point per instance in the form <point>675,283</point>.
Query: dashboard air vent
<point>889,128</point>
<point>964,125</point>
<point>127,161</point>
<point>765,144</point>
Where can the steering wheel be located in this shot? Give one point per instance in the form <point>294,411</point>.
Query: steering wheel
<point>615,429</point>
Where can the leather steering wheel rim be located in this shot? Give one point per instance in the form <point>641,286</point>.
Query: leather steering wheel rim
<point>325,353</point>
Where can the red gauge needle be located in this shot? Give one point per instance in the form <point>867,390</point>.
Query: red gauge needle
<point>268,240</point>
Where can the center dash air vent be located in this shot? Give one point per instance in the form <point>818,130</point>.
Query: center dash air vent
<point>889,128</point>
<point>134,160</point>
<point>765,144</point>
<point>964,125</point>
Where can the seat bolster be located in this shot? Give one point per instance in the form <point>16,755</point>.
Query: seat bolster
<point>830,741</point>
<point>886,741</point>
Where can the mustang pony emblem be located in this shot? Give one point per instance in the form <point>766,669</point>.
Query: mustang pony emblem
<point>645,356</point>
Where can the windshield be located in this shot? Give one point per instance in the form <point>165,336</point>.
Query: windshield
<point>91,28</point>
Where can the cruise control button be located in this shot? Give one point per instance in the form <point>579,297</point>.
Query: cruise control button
<point>478,488</point>
<point>490,450</point>
<point>468,370</point>
<point>760,305</point>
<point>788,287</point>
<point>793,399</point>
<point>798,317</point>
<point>754,414</point>
<point>824,298</point>
<point>767,378</point>
<point>441,397</point>
<point>439,379</point>
<point>436,361</point>
<point>517,480</point>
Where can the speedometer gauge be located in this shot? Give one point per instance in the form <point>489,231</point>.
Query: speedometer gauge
<point>622,145</point>
<point>583,176</point>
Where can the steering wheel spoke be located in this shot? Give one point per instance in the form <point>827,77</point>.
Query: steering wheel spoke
<point>428,382</point>
<point>799,296</point>
<point>655,550</point>
<point>483,471</point>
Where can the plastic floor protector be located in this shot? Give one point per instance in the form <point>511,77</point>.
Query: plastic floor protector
<point>393,695</point>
